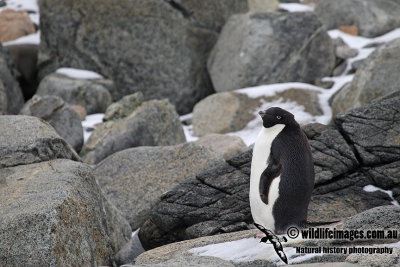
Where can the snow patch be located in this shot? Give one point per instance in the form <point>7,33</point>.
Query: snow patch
<point>372,188</point>
<point>89,124</point>
<point>294,7</point>
<point>31,39</point>
<point>79,74</point>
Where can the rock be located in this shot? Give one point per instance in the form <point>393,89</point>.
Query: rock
<point>352,29</point>
<point>343,50</point>
<point>341,101</point>
<point>264,48</point>
<point>216,201</point>
<point>381,260</point>
<point>154,123</point>
<point>25,59</point>
<point>124,107</point>
<point>14,24</point>
<point>372,79</point>
<point>129,251</point>
<point>164,254</point>
<point>10,93</point>
<point>182,31</point>
<point>91,94</point>
<point>26,140</point>
<point>81,111</point>
<point>332,155</point>
<point>378,218</point>
<point>51,214</point>
<point>263,5</point>
<point>372,17</point>
<point>231,111</point>
<point>372,129</point>
<point>222,113</point>
<point>119,230</point>
<point>135,178</point>
<point>226,145</point>
<point>59,115</point>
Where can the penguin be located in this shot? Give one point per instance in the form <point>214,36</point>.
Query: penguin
<point>282,173</point>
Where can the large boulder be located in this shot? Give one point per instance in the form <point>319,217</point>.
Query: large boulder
<point>359,150</point>
<point>376,77</point>
<point>265,48</point>
<point>59,115</point>
<point>11,98</point>
<point>157,47</point>
<point>51,214</point>
<point>93,95</point>
<point>135,178</point>
<point>372,17</point>
<point>26,140</point>
<point>232,111</point>
<point>124,107</point>
<point>225,145</point>
<point>14,24</point>
<point>154,123</point>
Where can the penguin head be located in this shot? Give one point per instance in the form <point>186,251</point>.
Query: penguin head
<point>275,115</point>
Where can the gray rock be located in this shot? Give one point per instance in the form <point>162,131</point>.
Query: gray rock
<point>372,17</point>
<point>375,78</point>
<point>265,48</point>
<point>123,107</point>
<point>216,201</point>
<point>91,94</point>
<point>182,31</point>
<point>11,98</point>
<point>373,130</point>
<point>154,123</point>
<point>129,251</point>
<point>332,155</point>
<point>226,145</point>
<point>164,254</point>
<point>26,140</point>
<point>378,218</point>
<point>135,178</point>
<point>223,113</point>
<point>51,215</point>
<point>58,114</point>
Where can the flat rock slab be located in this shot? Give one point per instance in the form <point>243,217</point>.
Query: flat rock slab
<point>51,214</point>
<point>135,178</point>
<point>26,140</point>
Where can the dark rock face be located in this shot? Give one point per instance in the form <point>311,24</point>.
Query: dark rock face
<point>360,149</point>
<point>26,140</point>
<point>372,17</point>
<point>93,95</point>
<point>11,98</point>
<point>265,48</point>
<point>154,123</point>
<point>59,115</point>
<point>154,46</point>
<point>215,202</point>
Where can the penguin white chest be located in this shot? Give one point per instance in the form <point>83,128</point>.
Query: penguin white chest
<point>261,212</point>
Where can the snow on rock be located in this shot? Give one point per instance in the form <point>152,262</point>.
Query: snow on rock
<point>31,39</point>
<point>294,7</point>
<point>89,124</point>
<point>30,6</point>
<point>372,188</point>
<point>79,74</point>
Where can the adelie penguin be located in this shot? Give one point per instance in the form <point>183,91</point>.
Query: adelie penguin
<point>282,173</point>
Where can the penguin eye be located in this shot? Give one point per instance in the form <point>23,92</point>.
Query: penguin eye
<point>278,117</point>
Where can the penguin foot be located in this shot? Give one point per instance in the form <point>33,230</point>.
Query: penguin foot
<point>259,235</point>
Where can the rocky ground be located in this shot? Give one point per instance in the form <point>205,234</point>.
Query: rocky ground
<point>179,84</point>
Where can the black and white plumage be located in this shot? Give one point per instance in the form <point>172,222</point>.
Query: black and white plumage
<point>275,241</point>
<point>282,173</point>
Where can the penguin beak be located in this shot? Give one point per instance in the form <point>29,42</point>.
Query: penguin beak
<point>261,113</point>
